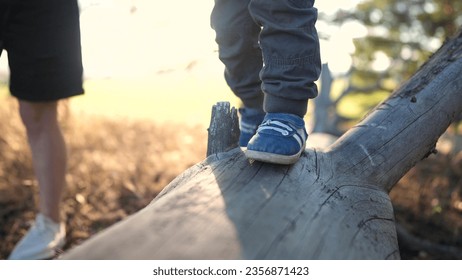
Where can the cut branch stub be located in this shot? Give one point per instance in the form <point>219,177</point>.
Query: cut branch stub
<point>223,133</point>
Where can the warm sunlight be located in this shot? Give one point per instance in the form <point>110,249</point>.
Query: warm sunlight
<point>158,59</point>
<point>134,169</point>
<point>150,59</point>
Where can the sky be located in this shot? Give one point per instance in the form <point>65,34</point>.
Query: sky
<point>166,50</point>
<point>149,36</point>
<point>136,38</point>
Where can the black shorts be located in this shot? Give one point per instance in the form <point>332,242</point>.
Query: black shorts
<point>42,39</point>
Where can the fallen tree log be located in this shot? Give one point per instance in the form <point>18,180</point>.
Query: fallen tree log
<point>332,204</point>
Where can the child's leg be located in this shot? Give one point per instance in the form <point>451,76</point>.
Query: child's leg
<point>290,47</point>
<point>237,38</point>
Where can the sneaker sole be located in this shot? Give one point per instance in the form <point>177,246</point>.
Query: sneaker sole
<point>273,158</point>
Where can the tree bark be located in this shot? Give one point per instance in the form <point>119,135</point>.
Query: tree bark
<point>223,129</point>
<point>332,204</point>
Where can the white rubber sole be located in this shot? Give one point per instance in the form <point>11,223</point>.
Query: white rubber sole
<point>272,158</point>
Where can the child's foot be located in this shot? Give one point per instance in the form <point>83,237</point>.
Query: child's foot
<point>249,121</point>
<point>280,139</point>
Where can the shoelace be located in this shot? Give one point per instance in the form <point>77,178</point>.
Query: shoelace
<point>285,130</point>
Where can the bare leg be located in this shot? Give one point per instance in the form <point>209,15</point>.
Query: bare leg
<point>48,153</point>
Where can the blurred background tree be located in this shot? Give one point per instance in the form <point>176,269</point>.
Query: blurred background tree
<point>396,39</point>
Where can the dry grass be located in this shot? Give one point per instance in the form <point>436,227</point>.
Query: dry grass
<point>116,167</point>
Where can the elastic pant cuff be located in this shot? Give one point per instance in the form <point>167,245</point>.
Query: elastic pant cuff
<point>275,104</point>
<point>254,102</point>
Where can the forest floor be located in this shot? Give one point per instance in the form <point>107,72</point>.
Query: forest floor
<point>117,166</point>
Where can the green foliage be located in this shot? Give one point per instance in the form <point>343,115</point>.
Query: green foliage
<point>354,105</point>
<point>401,36</point>
<point>406,31</point>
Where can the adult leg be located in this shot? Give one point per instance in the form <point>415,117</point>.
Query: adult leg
<point>48,153</point>
<point>48,149</point>
<point>43,43</point>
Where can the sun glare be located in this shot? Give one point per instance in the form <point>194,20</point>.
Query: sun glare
<point>150,59</point>
<point>156,37</point>
<point>158,59</point>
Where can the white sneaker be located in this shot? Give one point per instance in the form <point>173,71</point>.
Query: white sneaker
<point>42,240</point>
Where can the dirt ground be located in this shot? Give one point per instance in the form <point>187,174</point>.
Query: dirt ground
<point>117,166</point>
<point>428,205</point>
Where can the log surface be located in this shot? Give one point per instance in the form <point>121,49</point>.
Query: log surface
<point>332,204</point>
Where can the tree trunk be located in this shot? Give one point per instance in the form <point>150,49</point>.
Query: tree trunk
<point>332,204</point>
<point>322,116</point>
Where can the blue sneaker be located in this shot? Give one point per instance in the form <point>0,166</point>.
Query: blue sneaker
<point>280,139</point>
<point>249,121</point>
